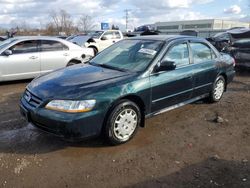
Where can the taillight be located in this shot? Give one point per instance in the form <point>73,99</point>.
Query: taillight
<point>234,62</point>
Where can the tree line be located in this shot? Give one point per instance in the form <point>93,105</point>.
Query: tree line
<point>60,22</point>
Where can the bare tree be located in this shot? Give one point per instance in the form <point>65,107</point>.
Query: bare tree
<point>61,22</point>
<point>86,23</point>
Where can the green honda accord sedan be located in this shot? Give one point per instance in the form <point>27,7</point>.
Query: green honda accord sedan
<point>132,80</point>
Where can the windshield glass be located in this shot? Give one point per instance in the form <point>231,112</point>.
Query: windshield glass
<point>79,40</point>
<point>129,55</point>
<point>97,34</point>
<point>5,43</point>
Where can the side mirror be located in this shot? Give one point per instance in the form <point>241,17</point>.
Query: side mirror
<point>7,52</point>
<point>104,38</point>
<point>165,66</point>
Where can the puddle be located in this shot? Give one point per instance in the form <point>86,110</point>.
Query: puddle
<point>23,134</point>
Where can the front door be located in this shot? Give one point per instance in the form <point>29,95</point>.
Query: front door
<point>24,62</point>
<point>108,41</point>
<point>175,86</point>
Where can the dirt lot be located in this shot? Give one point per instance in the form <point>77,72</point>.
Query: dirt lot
<point>181,148</point>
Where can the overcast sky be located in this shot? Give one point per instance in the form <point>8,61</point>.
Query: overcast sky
<point>36,12</point>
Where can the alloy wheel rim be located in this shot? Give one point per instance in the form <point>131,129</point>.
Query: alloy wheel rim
<point>125,124</point>
<point>219,89</point>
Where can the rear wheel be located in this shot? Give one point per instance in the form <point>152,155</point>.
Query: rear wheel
<point>218,89</point>
<point>123,122</point>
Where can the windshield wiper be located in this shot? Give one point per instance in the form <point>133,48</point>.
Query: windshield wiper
<point>107,66</point>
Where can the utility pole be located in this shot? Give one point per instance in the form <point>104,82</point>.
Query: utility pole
<point>127,17</point>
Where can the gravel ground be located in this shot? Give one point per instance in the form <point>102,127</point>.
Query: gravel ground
<point>186,147</point>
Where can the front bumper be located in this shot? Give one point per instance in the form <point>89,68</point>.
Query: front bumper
<point>72,126</point>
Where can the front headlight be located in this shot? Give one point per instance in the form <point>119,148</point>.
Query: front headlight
<point>71,106</point>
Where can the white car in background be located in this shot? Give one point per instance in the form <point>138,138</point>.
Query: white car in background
<point>29,57</point>
<point>98,40</point>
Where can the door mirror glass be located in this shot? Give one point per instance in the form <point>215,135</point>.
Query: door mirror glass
<point>7,52</point>
<point>104,38</point>
<point>166,65</point>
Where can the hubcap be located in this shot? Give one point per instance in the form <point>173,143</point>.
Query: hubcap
<point>219,89</point>
<point>125,124</point>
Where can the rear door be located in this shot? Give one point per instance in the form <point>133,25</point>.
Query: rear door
<point>24,62</point>
<point>173,87</point>
<point>204,67</point>
<point>110,39</point>
<point>54,55</point>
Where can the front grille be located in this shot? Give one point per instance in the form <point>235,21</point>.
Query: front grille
<point>31,99</point>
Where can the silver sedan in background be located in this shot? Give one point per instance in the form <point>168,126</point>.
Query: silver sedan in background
<point>29,57</point>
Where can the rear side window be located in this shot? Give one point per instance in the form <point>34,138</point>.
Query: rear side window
<point>179,54</point>
<point>201,52</point>
<point>50,45</point>
<point>25,47</point>
<point>117,35</point>
<point>109,35</point>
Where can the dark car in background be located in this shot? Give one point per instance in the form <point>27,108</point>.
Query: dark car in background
<point>190,33</point>
<point>133,79</point>
<point>2,38</point>
<point>240,50</point>
<point>235,42</point>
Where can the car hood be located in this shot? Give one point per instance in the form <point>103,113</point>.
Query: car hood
<point>75,81</point>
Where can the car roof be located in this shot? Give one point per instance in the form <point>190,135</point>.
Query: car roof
<point>166,37</point>
<point>36,38</point>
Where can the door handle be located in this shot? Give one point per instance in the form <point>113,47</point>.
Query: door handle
<point>66,54</point>
<point>113,41</point>
<point>33,57</point>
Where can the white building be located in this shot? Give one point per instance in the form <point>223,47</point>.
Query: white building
<point>205,28</point>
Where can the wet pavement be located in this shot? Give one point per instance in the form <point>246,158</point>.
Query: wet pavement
<point>185,147</point>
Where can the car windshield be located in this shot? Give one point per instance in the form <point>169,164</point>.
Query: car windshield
<point>79,40</point>
<point>5,43</point>
<point>97,34</point>
<point>129,55</point>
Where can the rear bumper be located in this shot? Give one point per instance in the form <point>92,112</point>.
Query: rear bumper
<point>230,76</point>
<point>66,125</point>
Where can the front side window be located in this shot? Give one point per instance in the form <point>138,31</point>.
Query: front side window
<point>129,55</point>
<point>178,54</point>
<point>24,47</point>
<point>201,52</point>
<point>49,45</point>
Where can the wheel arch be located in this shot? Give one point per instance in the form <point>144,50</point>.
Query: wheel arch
<point>94,47</point>
<point>132,97</point>
<point>225,77</point>
<point>74,60</point>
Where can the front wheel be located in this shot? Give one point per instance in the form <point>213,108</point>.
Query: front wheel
<point>218,89</point>
<point>123,122</point>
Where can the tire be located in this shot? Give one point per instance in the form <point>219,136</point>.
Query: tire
<point>118,129</point>
<point>218,89</point>
<point>72,63</point>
